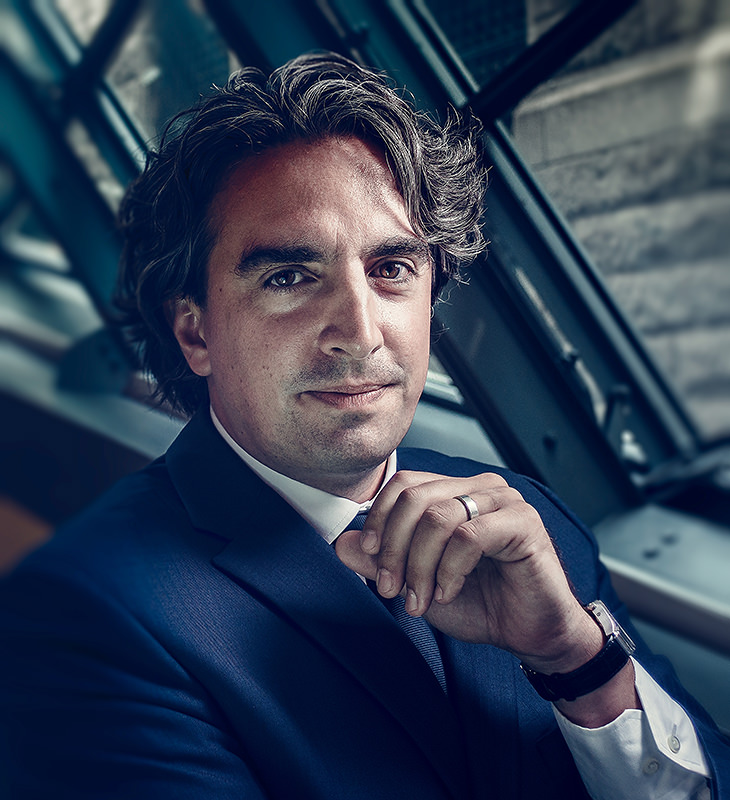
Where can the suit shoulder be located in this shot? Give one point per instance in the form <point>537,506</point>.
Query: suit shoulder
<point>456,466</point>
<point>132,522</point>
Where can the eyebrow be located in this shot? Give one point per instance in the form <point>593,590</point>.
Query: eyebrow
<point>395,246</point>
<point>258,257</point>
<point>404,246</point>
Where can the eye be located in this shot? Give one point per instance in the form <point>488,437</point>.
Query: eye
<point>391,270</point>
<point>285,278</point>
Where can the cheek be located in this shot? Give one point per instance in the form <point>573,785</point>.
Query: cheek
<point>231,347</point>
<point>258,353</point>
<point>422,336</point>
<point>413,335</point>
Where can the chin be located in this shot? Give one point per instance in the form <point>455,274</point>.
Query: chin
<point>357,453</point>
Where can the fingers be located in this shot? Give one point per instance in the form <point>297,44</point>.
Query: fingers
<point>351,554</point>
<point>406,524</point>
<point>419,537</point>
<point>407,495</point>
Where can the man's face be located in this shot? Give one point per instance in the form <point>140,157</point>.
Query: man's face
<point>315,334</point>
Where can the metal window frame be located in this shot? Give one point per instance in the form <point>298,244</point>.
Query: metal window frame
<point>557,435</point>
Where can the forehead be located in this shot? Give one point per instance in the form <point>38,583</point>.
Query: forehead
<point>321,157</point>
<point>337,181</point>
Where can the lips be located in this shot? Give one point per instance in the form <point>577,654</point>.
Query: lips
<point>349,396</point>
<point>353,389</point>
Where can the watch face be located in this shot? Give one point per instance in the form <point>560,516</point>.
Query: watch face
<point>599,611</point>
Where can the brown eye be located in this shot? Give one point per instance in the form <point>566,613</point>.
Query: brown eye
<point>390,270</point>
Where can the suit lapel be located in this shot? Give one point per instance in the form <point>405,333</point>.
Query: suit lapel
<point>484,699</point>
<point>280,559</point>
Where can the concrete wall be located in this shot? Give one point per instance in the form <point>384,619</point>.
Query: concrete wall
<point>632,142</point>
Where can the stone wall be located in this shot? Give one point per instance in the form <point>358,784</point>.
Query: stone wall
<point>632,142</point>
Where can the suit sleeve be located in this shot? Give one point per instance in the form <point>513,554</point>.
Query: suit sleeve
<point>91,705</point>
<point>593,578</point>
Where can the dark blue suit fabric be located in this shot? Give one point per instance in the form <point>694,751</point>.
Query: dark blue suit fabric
<point>190,636</point>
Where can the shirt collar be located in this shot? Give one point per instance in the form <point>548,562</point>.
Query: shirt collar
<point>327,513</point>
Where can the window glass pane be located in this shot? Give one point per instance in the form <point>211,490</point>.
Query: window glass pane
<point>89,155</point>
<point>41,304</point>
<point>171,55</point>
<point>23,237</point>
<point>24,240</point>
<point>83,16</point>
<point>632,142</point>
<point>488,35</point>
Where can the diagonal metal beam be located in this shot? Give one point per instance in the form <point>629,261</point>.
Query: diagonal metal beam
<point>552,51</point>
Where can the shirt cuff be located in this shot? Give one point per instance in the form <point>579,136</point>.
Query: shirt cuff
<point>643,754</point>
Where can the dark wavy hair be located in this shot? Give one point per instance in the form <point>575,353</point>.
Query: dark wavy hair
<point>168,235</point>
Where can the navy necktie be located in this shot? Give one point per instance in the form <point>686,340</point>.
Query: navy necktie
<point>416,628</point>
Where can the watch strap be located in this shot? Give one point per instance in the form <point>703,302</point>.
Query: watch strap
<point>599,670</point>
<point>587,678</point>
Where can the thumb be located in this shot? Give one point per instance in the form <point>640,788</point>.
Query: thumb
<point>351,555</point>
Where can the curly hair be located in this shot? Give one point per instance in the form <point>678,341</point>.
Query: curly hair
<point>164,217</point>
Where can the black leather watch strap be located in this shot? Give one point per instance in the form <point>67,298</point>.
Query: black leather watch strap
<point>587,678</point>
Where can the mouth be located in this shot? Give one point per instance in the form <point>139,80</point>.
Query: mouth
<point>349,396</point>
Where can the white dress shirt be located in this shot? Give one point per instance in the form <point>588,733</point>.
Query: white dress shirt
<point>643,754</point>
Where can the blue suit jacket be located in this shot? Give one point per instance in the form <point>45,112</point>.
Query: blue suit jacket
<point>190,636</point>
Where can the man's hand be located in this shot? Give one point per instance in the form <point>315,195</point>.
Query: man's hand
<point>493,579</point>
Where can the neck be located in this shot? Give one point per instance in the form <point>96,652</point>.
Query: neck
<point>359,486</point>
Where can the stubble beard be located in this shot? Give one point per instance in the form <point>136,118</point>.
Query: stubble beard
<point>349,450</point>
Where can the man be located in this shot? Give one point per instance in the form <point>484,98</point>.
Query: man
<point>194,634</point>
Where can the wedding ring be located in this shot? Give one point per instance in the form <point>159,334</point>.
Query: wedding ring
<point>472,509</point>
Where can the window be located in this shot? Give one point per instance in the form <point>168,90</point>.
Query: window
<point>83,16</point>
<point>42,305</point>
<point>488,35</point>
<point>631,142</point>
<point>170,56</point>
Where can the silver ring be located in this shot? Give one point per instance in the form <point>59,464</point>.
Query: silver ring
<point>472,509</point>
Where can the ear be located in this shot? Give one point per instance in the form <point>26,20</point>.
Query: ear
<point>186,319</point>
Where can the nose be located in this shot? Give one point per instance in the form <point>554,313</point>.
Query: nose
<point>352,321</point>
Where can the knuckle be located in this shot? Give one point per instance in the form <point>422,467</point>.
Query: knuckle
<point>512,495</point>
<point>467,534</point>
<point>436,515</point>
<point>403,478</point>
<point>516,517</point>
<point>412,495</point>
<point>495,481</point>
<point>528,514</point>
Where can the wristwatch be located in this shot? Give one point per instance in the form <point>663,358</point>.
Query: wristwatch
<point>599,670</point>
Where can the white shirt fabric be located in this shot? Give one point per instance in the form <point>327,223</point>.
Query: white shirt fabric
<point>647,754</point>
<point>328,514</point>
<point>643,754</point>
